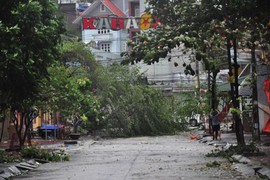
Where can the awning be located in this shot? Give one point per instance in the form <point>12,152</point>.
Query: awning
<point>49,127</point>
<point>226,86</point>
<point>245,88</point>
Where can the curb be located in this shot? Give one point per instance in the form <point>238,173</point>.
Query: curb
<point>18,169</point>
<point>258,169</point>
<point>8,171</point>
<point>245,165</point>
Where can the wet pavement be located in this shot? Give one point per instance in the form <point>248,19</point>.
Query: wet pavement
<point>162,157</point>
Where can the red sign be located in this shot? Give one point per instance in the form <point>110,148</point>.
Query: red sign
<point>266,88</point>
<point>146,21</point>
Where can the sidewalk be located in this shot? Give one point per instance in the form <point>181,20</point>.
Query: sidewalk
<point>247,165</point>
<point>10,170</point>
<point>34,142</point>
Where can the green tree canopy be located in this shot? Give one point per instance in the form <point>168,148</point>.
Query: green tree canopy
<point>68,89</point>
<point>30,33</point>
<point>209,28</point>
<point>200,25</point>
<point>129,106</point>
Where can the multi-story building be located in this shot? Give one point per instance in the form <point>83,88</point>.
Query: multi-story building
<point>107,44</point>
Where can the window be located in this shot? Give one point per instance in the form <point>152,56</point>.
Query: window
<point>105,47</point>
<point>102,8</point>
<point>124,46</point>
<point>103,31</point>
<point>137,11</point>
<point>134,9</point>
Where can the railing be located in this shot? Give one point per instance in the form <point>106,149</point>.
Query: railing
<point>103,37</point>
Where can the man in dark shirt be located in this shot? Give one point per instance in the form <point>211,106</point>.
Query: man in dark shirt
<point>215,124</point>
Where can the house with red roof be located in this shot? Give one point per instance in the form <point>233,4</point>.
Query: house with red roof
<point>105,43</point>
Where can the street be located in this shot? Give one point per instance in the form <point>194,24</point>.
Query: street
<point>162,157</point>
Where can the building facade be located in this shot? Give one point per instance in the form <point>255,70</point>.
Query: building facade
<point>107,44</point>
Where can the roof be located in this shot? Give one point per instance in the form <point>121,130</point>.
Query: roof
<point>89,9</point>
<point>113,8</point>
<point>107,3</point>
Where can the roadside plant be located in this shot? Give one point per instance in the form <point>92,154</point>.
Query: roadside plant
<point>235,150</point>
<point>235,111</point>
<point>213,164</point>
<point>37,153</point>
<point>8,157</point>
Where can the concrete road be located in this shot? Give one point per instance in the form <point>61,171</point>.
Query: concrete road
<point>149,158</point>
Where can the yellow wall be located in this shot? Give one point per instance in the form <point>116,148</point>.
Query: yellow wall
<point>44,118</point>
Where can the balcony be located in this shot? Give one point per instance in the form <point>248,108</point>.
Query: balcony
<point>103,37</point>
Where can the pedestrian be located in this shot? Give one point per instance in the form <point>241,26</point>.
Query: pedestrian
<point>215,124</point>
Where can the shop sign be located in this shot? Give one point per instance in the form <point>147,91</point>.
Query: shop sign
<point>146,21</point>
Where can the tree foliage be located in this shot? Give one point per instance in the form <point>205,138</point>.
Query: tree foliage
<point>208,28</point>
<point>129,106</point>
<point>30,34</point>
<point>200,25</point>
<point>69,88</point>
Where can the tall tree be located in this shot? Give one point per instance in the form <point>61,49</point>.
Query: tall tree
<point>30,33</point>
<point>204,26</point>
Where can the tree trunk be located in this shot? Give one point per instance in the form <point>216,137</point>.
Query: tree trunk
<point>197,80</point>
<point>22,124</point>
<point>213,97</point>
<point>3,119</point>
<point>76,124</point>
<point>255,115</point>
<point>238,123</point>
<point>214,90</point>
<point>234,92</point>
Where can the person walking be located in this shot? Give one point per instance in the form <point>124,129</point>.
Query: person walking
<point>215,124</point>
